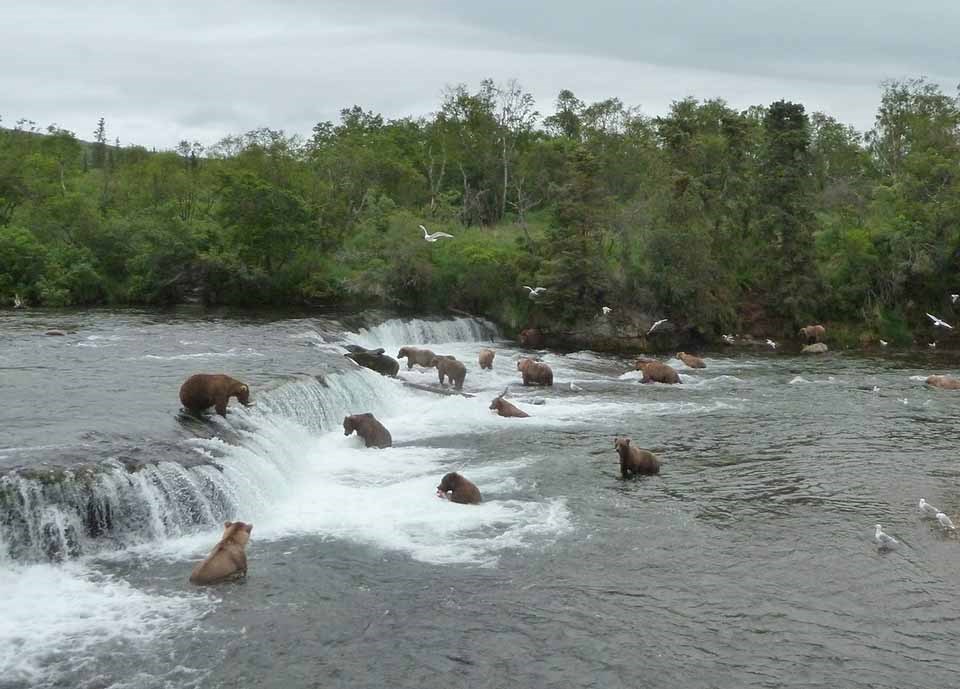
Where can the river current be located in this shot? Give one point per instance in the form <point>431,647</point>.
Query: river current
<point>748,562</point>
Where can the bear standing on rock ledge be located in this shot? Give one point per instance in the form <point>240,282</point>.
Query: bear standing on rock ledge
<point>204,390</point>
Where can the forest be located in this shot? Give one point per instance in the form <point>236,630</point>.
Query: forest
<point>722,220</point>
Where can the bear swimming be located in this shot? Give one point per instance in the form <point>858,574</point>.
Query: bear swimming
<point>228,559</point>
<point>414,355</point>
<point>532,337</point>
<point>813,333</point>
<point>535,372</point>
<point>943,382</point>
<point>635,460</point>
<point>456,488</point>
<point>656,372</point>
<point>374,433</point>
<point>449,367</point>
<point>486,358</point>
<point>204,390</point>
<point>691,360</point>
<point>507,409</point>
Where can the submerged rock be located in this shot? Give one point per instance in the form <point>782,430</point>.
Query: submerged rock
<point>818,348</point>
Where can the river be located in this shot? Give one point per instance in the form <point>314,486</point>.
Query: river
<point>748,562</point>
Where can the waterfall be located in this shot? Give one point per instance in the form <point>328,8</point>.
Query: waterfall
<point>397,333</point>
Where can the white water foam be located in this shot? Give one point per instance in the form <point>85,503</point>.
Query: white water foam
<point>53,618</point>
<point>396,333</point>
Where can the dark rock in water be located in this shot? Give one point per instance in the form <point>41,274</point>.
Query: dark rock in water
<point>818,348</point>
<point>375,360</point>
<point>54,333</point>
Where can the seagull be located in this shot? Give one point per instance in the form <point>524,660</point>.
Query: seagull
<point>953,298</point>
<point>575,388</point>
<point>883,343</point>
<point>876,388</point>
<point>18,303</point>
<point>771,343</point>
<point>728,339</point>
<point>435,236</point>
<point>535,291</point>
<point>927,509</point>
<point>945,521</point>
<point>883,541</point>
<point>606,310</point>
<point>932,345</point>
<point>938,323</point>
<point>656,324</point>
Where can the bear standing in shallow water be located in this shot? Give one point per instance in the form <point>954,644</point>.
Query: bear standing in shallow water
<point>635,460</point>
<point>228,559</point>
<point>204,390</point>
<point>449,367</point>
<point>486,358</point>
<point>535,372</point>
<point>456,488</point>
<point>374,433</point>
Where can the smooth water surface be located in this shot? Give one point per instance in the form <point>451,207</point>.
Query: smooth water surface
<point>748,562</point>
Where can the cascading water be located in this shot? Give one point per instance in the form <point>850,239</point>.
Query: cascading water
<point>397,332</point>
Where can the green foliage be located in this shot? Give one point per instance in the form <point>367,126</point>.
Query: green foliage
<point>22,260</point>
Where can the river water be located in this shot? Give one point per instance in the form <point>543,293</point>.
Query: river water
<point>748,562</point>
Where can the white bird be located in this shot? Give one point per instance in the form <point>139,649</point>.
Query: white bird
<point>575,388</point>
<point>932,345</point>
<point>535,291</point>
<point>656,324</point>
<point>18,303</point>
<point>771,343</point>
<point>945,521</point>
<point>927,509</point>
<point>606,310</point>
<point>883,343</point>
<point>937,323</point>
<point>883,541</point>
<point>953,298</point>
<point>876,388</point>
<point>435,236</point>
<point>728,339</point>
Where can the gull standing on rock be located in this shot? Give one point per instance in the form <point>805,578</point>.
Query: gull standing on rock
<point>937,323</point>
<point>656,325</point>
<point>927,509</point>
<point>945,522</point>
<point>435,236</point>
<point>534,291</point>
<point>883,541</point>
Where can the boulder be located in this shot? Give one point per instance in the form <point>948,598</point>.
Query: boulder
<point>818,348</point>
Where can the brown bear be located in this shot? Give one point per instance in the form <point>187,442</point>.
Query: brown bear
<point>228,559</point>
<point>656,372</point>
<point>456,488</point>
<point>204,390</point>
<point>421,357</point>
<point>507,409</point>
<point>691,360</point>
<point>531,337</point>
<point>454,370</point>
<point>374,359</point>
<point>635,460</point>
<point>813,333</point>
<point>486,358</point>
<point>535,372</point>
<point>943,382</point>
<point>374,433</point>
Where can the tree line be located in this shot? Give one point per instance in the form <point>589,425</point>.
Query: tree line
<point>720,218</point>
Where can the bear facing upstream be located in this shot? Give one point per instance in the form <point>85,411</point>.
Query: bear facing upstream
<point>414,355</point>
<point>656,372</point>
<point>228,559</point>
<point>486,358</point>
<point>374,433</point>
<point>691,360</point>
<point>635,460</point>
<point>450,368</point>
<point>204,390</point>
<point>456,488</point>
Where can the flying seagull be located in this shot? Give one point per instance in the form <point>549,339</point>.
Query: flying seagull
<point>883,343</point>
<point>771,343</point>
<point>435,236</point>
<point>927,509</point>
<point>945,521</point>
<point>953,298</point>
<point>606,310</point>
<point>932,344</point>
<point>535,291</point>
<point>656,325</point>
<point>883,541</point>
<point>938,323</point>
<point>18,302</point>
<point>728,339</point>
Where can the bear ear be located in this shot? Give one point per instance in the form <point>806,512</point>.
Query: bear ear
<point>227,525</point>
<point>248,528</point>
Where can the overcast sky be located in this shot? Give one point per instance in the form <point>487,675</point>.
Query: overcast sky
<point>202,70</point>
